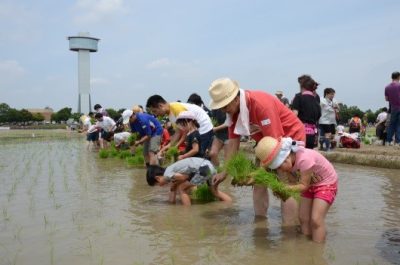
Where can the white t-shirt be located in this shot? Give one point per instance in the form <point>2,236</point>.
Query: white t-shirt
<point>107,124</point>
<point>201,116</point>
<point>86,122</point>
<point>381,117</point>
<point>328,115</point>
<point>121,137</point>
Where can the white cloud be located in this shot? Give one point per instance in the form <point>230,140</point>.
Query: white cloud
<point>159,63</point>
<point>11,69</point>
<point>92,11</point>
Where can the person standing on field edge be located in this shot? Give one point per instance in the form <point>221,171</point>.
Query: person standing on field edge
<point>255,114</point>
<point>392,95</point>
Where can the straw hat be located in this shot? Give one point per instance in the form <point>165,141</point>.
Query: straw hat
<point>82,118</point>
<point>222,91</point>
<point>267,149</point>
<point>136,109</point>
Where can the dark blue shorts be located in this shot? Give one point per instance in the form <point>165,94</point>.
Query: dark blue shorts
<point>92,137</point>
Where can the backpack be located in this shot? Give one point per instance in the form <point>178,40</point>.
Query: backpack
<point>355,123</point>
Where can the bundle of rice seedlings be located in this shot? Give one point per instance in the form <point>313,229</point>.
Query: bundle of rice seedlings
<point>240,168</point>
<point>136,161</point>
<point>172,154</point>
<point>132,138</point>
<point>139,150</point>
<point>103,153</point>
<point>245,173</point>
<point>270,180</point>
<point>203,194</point>
<point>113,152</point>
<point>124,154</point>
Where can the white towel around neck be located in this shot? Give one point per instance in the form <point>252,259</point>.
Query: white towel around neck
<point>243,122</point>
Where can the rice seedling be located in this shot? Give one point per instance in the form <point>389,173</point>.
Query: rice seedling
<point>46,221</point>
<point>137,160</point>
<point>203,194</point>
<point>103,153</point>
<point>239,167</point>
<point>270,180</point>
<point>6,216</point>
<point>172,154</point>
<point>132,138</point>
<point>113,152</point>
<point>245,173</point>
<point>124,154</point>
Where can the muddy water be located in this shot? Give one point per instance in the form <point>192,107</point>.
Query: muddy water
<point>60,204</point>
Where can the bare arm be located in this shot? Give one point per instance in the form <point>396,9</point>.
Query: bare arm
<point>195,149</point>
<point>304,182</point>
<point>232,148</point>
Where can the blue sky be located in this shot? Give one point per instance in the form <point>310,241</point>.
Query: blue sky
<point>175,48</point>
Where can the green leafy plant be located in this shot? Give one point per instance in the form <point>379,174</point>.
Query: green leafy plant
<point>137,160</point>
<point>203,194</point>
<point>132,138</point>
<point>245,173</point>
<point>124,154</point>
<point>103,153</point>
<point>172,154</point>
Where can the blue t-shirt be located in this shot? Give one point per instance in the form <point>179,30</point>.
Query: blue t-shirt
<point>146,124</point>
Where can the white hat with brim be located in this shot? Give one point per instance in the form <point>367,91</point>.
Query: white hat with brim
<point>126,115</point>
<point>222,91</point>
<point>272,152</point>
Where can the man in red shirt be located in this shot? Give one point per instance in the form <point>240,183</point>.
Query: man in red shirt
<point>255,114</point>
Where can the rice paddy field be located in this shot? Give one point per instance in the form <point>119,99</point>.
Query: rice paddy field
<point>62,204</point>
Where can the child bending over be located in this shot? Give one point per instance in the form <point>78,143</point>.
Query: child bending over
<point>317,180</point>
<point>184,176</point>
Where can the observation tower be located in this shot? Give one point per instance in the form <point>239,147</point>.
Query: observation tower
<point>84,45</point>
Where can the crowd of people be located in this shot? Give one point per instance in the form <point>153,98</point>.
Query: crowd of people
<point>285,133</point>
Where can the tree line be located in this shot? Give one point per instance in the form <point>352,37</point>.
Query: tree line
<point>12,115</point>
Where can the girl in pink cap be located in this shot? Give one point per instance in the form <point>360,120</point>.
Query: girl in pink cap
<point>317,180</point>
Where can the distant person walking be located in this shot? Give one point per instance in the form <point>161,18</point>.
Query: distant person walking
<point>307,107</point>
<point>283,99</point>
<point>392,95</point>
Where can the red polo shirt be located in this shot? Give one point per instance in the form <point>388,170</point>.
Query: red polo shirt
<point>269,117</point>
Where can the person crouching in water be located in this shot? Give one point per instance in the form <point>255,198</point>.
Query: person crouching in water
<point>317,180</point>
<point>185,176</point>
<point>186,121</point>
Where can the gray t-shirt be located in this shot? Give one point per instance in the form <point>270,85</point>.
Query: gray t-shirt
<point>189,166</point>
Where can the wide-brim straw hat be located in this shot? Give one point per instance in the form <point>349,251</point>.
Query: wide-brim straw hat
<point>222,91</point>
<point>136,109</point>
<point>267,149</point>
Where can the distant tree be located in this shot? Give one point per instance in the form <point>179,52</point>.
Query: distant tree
<point>62,115</point>
<point>14,115</point>
<point>121,110</point>
<point>37,117</point>
<point>347,112</point>
<point>371,116</point>
<point>76,116</point>
<point>113,114</point>
<point>25,116</point>
<point>4,109</point>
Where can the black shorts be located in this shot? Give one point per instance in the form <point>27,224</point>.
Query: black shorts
<point>106,135</point>
<point>327,128</point>
<point>92,137</point>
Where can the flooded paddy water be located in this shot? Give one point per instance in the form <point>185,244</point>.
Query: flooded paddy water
<point>61,204</point>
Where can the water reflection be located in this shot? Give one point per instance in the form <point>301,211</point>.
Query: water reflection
<point>64,205</point>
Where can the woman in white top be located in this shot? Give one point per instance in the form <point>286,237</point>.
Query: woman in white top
<point>327,122</point>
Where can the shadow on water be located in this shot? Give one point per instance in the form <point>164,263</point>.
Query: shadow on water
<point>389,245</point>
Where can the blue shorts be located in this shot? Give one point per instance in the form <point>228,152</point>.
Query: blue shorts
<point>92,137</point>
